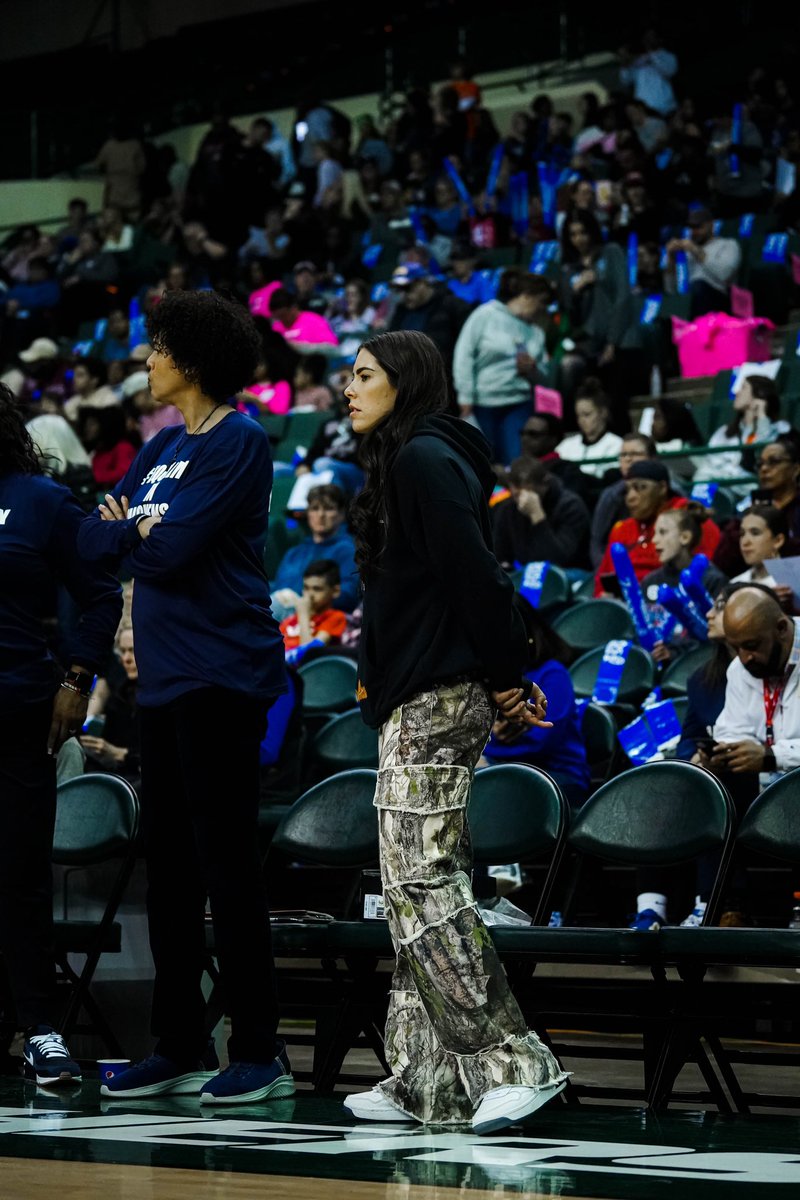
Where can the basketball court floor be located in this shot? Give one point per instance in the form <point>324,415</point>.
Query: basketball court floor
<point>76,1145</point>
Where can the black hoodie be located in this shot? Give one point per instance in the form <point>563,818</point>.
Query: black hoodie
<point>439,607</point>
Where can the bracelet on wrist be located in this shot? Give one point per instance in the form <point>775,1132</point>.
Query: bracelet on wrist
<point>79,681</point>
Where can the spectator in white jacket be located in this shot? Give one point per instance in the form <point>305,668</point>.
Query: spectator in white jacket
<point>593,414</point>
<point>758,730</point>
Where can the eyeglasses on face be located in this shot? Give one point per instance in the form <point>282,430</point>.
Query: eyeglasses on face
<point>773,460</point>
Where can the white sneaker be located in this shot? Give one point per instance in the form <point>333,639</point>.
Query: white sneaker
<point>375,1105</point>
<point>506,1105</point>
<point>696,916</point>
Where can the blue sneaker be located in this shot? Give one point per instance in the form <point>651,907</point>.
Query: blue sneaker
<point>47,1059</point>
<point>648,919</point>
<point>160,1076</point>
<point>242,1083</point>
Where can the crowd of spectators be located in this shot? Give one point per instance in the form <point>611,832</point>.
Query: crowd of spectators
<point>528,256</point>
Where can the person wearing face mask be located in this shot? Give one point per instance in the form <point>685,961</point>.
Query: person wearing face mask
<point>498,356</point>
<point>755,418</point>
<point>647,493</point>
<point>595,440</point>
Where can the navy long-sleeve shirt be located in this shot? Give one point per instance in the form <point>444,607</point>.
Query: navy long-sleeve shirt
<point>559,750</point>
<point>705,703</point>
<point>39,524</point>
<point>201,606</point>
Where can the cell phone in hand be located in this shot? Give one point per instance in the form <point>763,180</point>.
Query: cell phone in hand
<point>705,745</point>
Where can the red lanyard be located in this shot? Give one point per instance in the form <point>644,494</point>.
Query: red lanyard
<point>771,702</point>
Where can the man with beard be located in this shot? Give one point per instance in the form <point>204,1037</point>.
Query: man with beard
<point>758,730</point>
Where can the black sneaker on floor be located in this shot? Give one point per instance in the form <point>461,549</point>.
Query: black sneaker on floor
<point>47,1059</point>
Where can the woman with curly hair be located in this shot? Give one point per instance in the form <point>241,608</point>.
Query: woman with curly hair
<point>189,521</point>
<point>441,650</point>
<point>40,707</point>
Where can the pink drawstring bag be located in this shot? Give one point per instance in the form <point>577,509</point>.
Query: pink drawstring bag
<point>718,342</point>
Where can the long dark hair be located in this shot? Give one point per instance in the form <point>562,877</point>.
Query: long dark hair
<point>543,642</point>
<point>17,452</point>
<point>762,388</point>
<point>413,366</point>
<point>714,672</point>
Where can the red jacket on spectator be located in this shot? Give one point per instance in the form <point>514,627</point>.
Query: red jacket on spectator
<point>637,537</point>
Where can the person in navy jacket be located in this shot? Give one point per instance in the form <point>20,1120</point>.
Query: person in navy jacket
<point>189,522</point>
<point>40,707</point>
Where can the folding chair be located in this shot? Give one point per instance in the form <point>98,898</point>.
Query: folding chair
<point>329,684</point>
<point>678,673</point>
<point>771,826</point>
<point>344,743</point>
<point>592,623</point>
<point>515,812</point>
<point>599,733</point>
<point>658,814</point>
<point>97,820</point>
<point>638,675</point>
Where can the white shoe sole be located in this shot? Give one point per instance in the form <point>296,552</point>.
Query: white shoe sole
<point>182,1085</point>
<point>279,1089</point>
<point>369,1112</point>
<point>489,1123</point>
<point>63,1080</point>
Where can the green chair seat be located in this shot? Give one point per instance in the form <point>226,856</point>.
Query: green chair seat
<point>329,684</point>
<point>676,676</point>
<point>333,824</point>
<point>638,675</point>
<point>592,623</point>
<point>345,741</point>
<point>556,588</point>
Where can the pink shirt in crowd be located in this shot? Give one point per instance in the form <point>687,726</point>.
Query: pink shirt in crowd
<point>308,329</point>
<point>272,397</point>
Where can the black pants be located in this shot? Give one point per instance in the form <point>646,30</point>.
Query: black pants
<point>27,819</point>
<point>200,790</point>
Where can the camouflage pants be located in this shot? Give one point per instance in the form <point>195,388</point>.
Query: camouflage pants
<point>454,1029</point>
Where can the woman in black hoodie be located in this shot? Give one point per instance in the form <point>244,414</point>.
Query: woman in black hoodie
<point>441,650</point>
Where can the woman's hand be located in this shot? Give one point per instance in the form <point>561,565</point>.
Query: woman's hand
<point>103,752</point>
<point>660,653</point>
<point>512,705</point>
<point>112,511</point>
<point>465,410</point>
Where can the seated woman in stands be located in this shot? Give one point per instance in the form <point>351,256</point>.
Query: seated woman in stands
<point>779,486</point>
<point>755,417</point>
<point>114,746</point>
<point>595,440</point>
<point>558,750</point>
<point>674,428</point>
